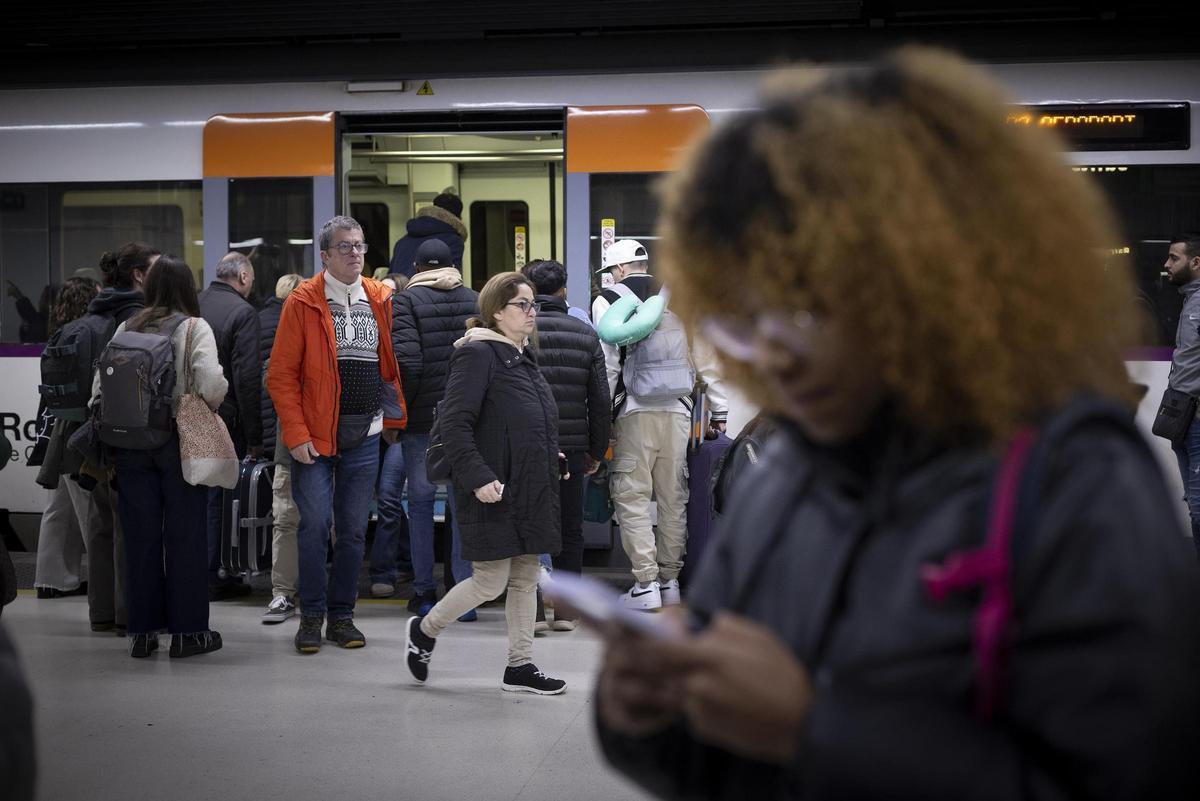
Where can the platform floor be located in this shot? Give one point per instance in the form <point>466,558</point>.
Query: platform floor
<point>257,720</point>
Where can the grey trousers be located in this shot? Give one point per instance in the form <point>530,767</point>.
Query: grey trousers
<point>60,537</point>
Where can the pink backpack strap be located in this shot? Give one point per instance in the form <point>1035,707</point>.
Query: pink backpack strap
<point>990,568</point>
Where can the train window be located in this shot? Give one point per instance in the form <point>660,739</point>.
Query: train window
<point>271,221</point>
<point>494,237</point>
<point>629,201</point>
<point>50,232</point>
<point>1152,202</point>
<point>374,217</point>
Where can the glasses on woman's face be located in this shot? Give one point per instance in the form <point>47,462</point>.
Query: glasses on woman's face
<point>526,306</point>
<point>741,339</point>
<point>346,248</point>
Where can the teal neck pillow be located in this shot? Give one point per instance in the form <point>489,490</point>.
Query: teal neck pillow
<point>629,319</point>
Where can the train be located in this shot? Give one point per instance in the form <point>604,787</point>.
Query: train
<point>547,166</point>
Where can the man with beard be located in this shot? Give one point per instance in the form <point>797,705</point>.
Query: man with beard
<point>1183,268</point>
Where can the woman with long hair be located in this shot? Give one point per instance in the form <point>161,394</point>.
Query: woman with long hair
<point>956,571</point>
<point>163,516</point>
<point>499,427</point>
<point>61,532</point>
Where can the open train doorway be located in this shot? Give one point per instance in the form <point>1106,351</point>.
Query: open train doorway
<point>506,170</point>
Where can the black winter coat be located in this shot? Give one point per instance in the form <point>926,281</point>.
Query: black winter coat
<point>1102,699</point>
<point>430,223</point>
<point>499,422</point>
<point>426,322</point>
<point>235,326</point>
<point>569,355</point>
<point>268,322</point>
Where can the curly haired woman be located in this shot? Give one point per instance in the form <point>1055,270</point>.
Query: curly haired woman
<point>956,571</point>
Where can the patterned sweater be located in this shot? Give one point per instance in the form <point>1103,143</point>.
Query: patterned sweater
<point>357,336</point>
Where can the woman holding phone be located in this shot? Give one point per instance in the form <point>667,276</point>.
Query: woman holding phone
<point>499,427</point>
<point>956,572</point>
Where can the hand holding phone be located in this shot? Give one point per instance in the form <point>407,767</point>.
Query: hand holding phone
<point>564,471</point>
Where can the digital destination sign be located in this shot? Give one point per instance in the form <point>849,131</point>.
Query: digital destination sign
<point>1112,126</point>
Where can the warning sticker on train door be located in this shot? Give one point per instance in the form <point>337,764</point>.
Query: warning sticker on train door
<point>519,246</point>
<point>426,89</point>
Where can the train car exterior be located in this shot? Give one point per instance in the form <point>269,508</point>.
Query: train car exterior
<point>546,166</point>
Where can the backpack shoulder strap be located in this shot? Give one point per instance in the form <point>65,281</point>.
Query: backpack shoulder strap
<point>621,290</point>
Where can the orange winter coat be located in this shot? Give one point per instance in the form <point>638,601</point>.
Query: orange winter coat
<point>302,377</point>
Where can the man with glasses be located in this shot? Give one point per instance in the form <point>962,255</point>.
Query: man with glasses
<point>429,315</point>
<point>336,389</point>
<point>650,448</point>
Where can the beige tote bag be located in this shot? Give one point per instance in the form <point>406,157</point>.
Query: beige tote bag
<point>205,447</point>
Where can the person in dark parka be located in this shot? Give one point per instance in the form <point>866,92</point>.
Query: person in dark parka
<point>441,221</point>
<point>499,428</point>
<point>892,607</point>
<point>224,306</point>
<point>569,355</point>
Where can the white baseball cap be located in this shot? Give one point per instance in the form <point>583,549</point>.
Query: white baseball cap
<point>623,251</point>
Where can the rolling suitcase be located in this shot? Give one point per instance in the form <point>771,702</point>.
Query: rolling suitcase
<point>246,521</point>
<point>704,460</point>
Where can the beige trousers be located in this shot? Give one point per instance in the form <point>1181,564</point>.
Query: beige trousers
<point>519,575</point>
<point>285,558</point>
<point>650,460</point>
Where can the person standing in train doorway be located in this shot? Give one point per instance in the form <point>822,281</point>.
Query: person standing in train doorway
<point>225,306</point>
<point>1183,269</point>
<point>441,221</point>
<point>336,388</point>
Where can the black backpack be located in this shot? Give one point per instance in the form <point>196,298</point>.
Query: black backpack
<point>69,362</point>
<point>741,457</point>
<point>137,380</point>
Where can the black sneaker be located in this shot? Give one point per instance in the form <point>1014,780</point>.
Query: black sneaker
<point>183,645</point>
<point>142,645</point>
<point>421,603</point>
<point>308,637</point>
<point>344,633</point>
<point>528,679</point>
<point>417,650</point>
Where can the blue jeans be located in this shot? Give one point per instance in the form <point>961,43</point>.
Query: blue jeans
<point>420,518</point>
<point>164,524</point>
<point>1188,454</point>
<point>344,482</point>
<point>391,552</point>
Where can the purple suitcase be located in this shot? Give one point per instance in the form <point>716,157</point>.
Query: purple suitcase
<point>701,516</point>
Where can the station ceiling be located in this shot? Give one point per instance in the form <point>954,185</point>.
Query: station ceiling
<point>185,41</point>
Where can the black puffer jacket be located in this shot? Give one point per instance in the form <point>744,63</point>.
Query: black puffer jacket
<point>499,423</point>
<point>827,550</point>
<point>426,321</point>
<point>268,322</point>
<point>235,326</point>
<point>569,355</point>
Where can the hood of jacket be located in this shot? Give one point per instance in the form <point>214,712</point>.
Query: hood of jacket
<point>441,278</point>
<point>482,334</point>
<point>117,302</point>
<point>435,220</point>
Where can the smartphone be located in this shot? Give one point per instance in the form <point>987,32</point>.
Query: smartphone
<point>598,604</point>
<point>562,467</point>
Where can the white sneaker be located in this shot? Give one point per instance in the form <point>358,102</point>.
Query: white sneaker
<point>669,591</point>
<point>279,610</point>
<point>640,597</point>
<point>382,589</point>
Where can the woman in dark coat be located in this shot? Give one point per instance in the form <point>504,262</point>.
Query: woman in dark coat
<point>499,428</point>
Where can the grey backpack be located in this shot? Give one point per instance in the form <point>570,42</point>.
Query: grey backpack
<point>137,380</point>
<point>658,368</point>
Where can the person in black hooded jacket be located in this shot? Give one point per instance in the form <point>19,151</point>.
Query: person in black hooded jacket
<point>958,572</point>
<point>441,221</point>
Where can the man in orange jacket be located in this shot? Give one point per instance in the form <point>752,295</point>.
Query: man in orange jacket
<point>336,388</point>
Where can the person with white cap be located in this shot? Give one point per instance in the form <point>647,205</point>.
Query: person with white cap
<point>650,445</point>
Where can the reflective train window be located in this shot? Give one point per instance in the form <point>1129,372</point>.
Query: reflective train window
<point>50,232</point>
<point>630,202</point>
<point>271,221</point>
<point>1153,203</point>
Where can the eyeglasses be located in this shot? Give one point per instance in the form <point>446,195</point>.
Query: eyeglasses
<point>526,306</point>
<point>739,339</point>
<point>346,248</point>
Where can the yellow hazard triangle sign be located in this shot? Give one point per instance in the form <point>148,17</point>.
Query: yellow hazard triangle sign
<point>425,89</point>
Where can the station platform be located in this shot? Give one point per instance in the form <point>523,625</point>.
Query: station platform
<point>257,720</point>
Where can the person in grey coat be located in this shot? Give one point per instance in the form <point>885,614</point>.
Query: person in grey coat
<point>1183,270</point>
<point>499,430</point>
<point>956,572</point>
